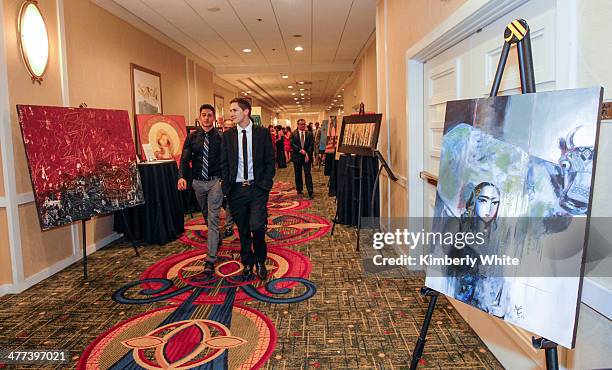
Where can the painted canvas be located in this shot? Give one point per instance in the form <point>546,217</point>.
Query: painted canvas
<point>146,90</point>
<point>166,135</point>
<point>82,162</point>
<point>518,171</point>
<point>323,142</point>
<point>359,134</point>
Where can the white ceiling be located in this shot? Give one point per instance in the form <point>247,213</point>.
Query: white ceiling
<point>332,33</point>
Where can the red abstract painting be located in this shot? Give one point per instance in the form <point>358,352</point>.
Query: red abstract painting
<point>165,133</point>
<point>82,162</point>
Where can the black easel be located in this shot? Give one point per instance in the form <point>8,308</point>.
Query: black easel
<point>516,32</point>
<point>84,242</point>
<point>360,178</point>
<point>385,166</point>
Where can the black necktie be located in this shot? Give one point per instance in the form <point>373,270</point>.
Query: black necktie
<point>245,157</point>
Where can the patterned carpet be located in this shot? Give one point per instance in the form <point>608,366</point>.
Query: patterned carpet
<point>352,322</point>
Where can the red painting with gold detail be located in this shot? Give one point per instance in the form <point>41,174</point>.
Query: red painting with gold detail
<point>82,162</point>
<point>165,133</point>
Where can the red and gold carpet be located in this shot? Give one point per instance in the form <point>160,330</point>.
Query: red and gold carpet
<point>353,321</point>
<point>205,328</point>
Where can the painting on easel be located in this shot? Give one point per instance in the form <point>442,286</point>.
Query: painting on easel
<point>518,171</point>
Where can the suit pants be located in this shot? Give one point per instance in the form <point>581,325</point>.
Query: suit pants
<point>210,196</point>
<point>297,168</point>
<point>249,207</point>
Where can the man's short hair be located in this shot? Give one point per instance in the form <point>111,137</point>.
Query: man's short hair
<point>242,103</point>
<point>208,106</point>
<point>301,119</point>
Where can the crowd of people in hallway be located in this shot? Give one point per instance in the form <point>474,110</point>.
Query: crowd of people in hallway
<point>232,166</point>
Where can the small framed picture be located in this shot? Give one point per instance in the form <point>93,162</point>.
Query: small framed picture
<point>359,134</point>
<point>219,103</point>
<point>146,93</point>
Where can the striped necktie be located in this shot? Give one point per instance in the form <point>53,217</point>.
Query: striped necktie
<point>205,158</point>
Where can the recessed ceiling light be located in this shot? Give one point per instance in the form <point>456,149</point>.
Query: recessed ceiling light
<point>259,19</point>
<point>248,92</point>
<point>342,89</point>
<point>285,76</point>
<point>292,93</point>
<point>335,100</point>
<point>297,36</point>
<point>290,86</point>
<point>302,89</point>
<point>247,50</point>
<point>301,82</point>
<point>302,94</point>
<point>339,96</point>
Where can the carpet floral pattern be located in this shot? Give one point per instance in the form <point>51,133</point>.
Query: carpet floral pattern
<point>352,321</point>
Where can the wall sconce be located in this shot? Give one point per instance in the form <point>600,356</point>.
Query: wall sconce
<point>33,39</point>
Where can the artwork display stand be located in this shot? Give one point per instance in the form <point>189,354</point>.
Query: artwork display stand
<point>84,243</point>
<point>516,32</point>
<point>385,166</point>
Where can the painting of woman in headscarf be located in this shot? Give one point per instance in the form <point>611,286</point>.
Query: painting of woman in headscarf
<point>166,135</point>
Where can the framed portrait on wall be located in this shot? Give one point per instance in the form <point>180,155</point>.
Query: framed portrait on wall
<point>219,103</point>
<point>359,134</point>
<point>146,94</point>
<point>146,90</point>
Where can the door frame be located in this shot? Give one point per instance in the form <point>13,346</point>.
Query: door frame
<point>467,20</point>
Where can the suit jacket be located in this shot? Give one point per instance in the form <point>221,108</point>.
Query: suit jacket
<point>263,158</point>
<point>296,146</point>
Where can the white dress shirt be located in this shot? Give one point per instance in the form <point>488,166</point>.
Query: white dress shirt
<point>249,134</point>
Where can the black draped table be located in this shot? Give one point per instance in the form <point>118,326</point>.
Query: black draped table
<point>160,219</point>
<point>344,184</point>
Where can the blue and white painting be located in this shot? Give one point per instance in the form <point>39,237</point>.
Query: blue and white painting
<point>519,170</point>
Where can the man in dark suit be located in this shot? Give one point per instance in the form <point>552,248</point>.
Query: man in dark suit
<point>202,149</point>
<point>302,145</point>
<point>247,169</point>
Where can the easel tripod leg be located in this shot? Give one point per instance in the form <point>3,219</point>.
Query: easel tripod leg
<point>84,235</point>
<point>129,232</point>
<point>550,350</point>
<point>420,344</point>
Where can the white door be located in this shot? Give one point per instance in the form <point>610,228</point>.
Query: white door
<point>466,71</point>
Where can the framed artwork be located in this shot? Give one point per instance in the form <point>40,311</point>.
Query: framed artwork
<point>146,90</point>
<point>165,135</point>
<point>323,142</point>
<point>219,104</point>
<point>518,170</point>
<point>359,134</point>
<point>332,135</point>
<point>146,93</point>
<point>82,162</point>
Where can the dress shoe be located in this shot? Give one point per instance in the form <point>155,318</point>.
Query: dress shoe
<point>209,268</point>
<point>311,195</point>
<point>262,272</point>
<point>247,271</point>
<point>228,232</point>
<point>300,192</point>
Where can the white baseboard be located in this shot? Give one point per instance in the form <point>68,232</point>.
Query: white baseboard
<point>597,296</point>
<point>57,267</point>
<point>91,248</point>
